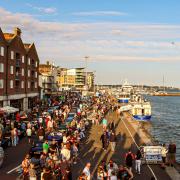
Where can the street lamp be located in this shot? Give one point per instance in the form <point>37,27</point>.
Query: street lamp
<point>86,60</point>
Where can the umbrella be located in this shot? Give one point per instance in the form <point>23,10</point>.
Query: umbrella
<point>8,109</point>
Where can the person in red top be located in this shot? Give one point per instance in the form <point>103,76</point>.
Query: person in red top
<point>18,117</point>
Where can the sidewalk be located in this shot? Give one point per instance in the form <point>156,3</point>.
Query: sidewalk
<point>92,151</point>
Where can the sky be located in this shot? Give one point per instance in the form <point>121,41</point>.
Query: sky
<point>136,40</point>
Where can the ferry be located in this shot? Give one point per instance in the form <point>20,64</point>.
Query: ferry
<point>141,109</point>
<point>125,95</point>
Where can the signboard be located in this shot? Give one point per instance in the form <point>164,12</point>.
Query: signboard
<point>152,154</point>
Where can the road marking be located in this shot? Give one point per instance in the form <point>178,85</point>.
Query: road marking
<point>138,147</point>
<point>13,169</point>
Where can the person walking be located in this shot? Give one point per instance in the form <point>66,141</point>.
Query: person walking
<point>164,152</point>
<point>104,140</point>
<point>104,122</point>
<point>172,153</point>
<point>29,134</point>
<point>138,161</point>
<point>129,159</point>
<point>112,125</point>
<point>112,141</point>
<point>14,136</point>
<point>86,171</point>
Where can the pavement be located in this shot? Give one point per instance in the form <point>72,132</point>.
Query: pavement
<point>13,158</point>
<point>92,150</point>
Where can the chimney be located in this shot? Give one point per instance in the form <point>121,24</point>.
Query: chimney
<point>17,31</point>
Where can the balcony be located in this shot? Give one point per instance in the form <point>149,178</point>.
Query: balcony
<point>33,65</point>
<point>18,62</point>
<point>17,77</point>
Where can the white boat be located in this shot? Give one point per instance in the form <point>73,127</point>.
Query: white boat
<point>125,94</point>
<point>141,109</point>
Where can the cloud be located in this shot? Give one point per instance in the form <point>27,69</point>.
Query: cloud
<point>49,10</point>
<point>102,41</point>
<point>100,13</point>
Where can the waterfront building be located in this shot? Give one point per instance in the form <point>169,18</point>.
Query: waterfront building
<point>19,64</point>
<point>90,81</point>
<point>48,78</point>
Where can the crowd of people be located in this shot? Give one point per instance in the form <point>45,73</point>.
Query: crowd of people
<point>58,155</point>
<point>54,158</point>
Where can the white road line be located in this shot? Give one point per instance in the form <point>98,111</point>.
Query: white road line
<point>138,147</point>
<point>13,169</point>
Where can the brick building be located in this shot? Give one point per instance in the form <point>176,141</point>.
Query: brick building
<point>19,64</point>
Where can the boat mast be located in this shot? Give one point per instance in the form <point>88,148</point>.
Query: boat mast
<point>163,84</point>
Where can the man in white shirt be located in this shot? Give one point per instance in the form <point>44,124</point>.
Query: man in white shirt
<point>86,171</point>
<point>66,153</point>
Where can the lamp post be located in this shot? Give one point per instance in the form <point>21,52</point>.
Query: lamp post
<point>86,66</point>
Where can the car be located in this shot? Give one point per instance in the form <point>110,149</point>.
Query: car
<point>37,148</point>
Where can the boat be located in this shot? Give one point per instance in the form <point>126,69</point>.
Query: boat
<point>125,94</point>
<point>141,109</point>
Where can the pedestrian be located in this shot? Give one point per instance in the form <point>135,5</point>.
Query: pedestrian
<point>32,172</point>
<point>104,140</point>
<point>14,136</point>
<point>112,125</point>
<point>112,141</point>
<point>41,133</point>
<point>45,147</point>
<point>164,152</point>
<point>129,159</point>
<point>1,156</point>
<point>138,161</point>
<point>124,173</point>
<point>172,153</point>
<point>86,171</point>
<point>29,134</point>
<point>104,122</point>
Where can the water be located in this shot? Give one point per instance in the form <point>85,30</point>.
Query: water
<point>166,120</point>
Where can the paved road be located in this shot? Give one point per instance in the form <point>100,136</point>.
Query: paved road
<point>93,152</point>
<point>13,158</point>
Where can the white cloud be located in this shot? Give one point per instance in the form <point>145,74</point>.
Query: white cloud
<point>100,13</point>
<point>102,41</point>
<point>48,10</point>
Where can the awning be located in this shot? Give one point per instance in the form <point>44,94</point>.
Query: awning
<point>8,109</point>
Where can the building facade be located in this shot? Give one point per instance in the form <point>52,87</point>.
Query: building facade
<point>19,64</point>
<point>48,78</point>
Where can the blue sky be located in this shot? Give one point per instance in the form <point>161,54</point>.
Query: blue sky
<point>125,39</point>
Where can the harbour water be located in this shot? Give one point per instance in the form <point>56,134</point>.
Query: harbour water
<point>166,120</point>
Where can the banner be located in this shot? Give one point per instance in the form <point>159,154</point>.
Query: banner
<point>152,154</point>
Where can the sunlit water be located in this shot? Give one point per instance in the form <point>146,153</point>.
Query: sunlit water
<point>166,120</point>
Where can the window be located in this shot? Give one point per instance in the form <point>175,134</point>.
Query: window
<point>12,54</point>
<point>1,83</point>
<point>1,67</point>
<point>22,59</point>
<point>36,63</point>
<point>22,84</point>
<point>11,84</point>
<point>29,61</point>
<point>2,51</point>
<point>35,74</point>
<point>11,69</point>
<point>28,73</point>
<point>22,73</point>
<point>35,84</point>
<point>28,84</point>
